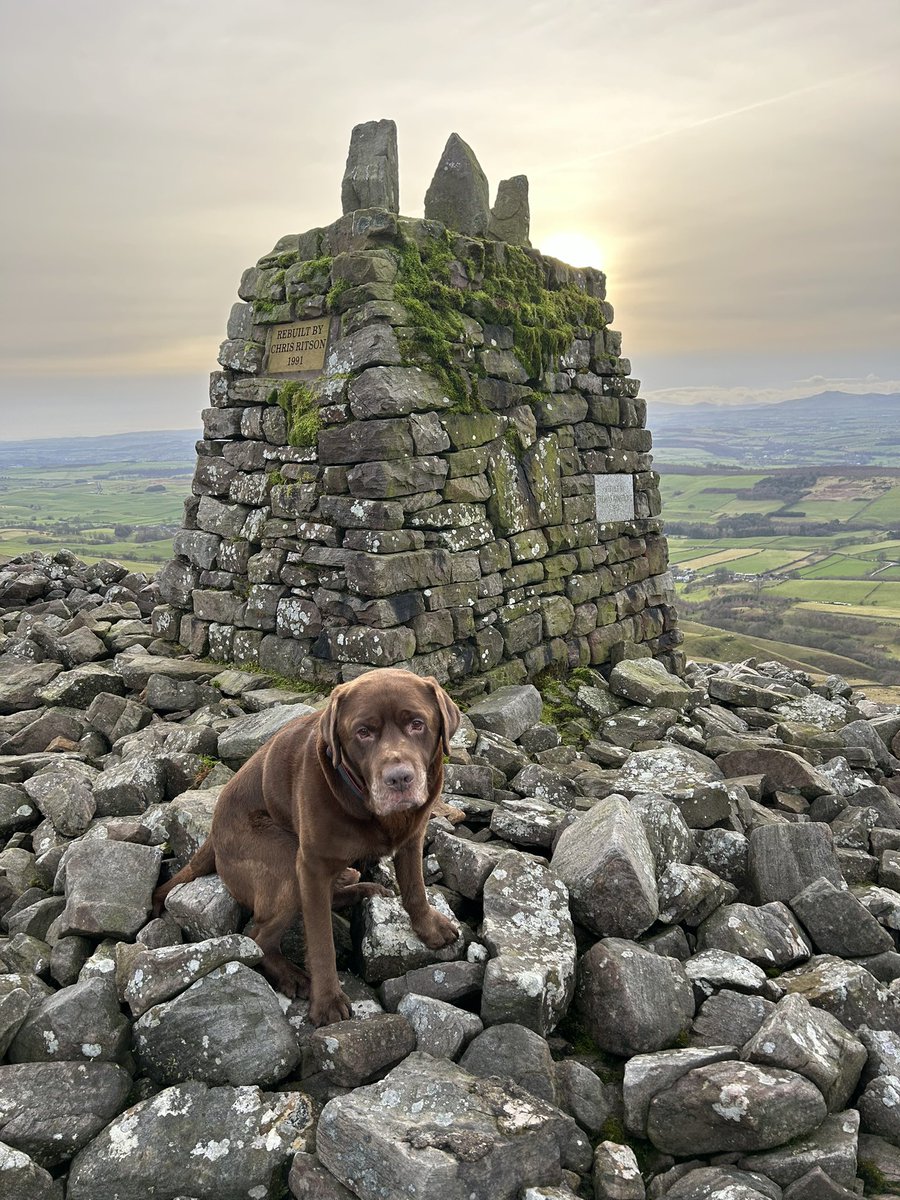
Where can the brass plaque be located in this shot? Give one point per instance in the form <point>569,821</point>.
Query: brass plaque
<point>298,346</point>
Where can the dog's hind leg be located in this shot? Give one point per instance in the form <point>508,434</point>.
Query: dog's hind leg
<point>264,878</point>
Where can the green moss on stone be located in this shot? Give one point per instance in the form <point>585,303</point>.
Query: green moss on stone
<point>334,294</point>
<point>435,314</point>
<point>298,402</point>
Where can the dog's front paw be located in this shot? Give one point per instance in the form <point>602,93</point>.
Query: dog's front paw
<point>436,930</point>
<point>330,1008</point>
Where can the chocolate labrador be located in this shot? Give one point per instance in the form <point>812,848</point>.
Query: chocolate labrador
<point>353,782</point>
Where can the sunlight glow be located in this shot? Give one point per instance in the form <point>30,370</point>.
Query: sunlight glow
<point>573,248</point>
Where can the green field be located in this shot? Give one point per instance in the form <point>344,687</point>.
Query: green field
<point>110,510</point>
<point>821,589</point>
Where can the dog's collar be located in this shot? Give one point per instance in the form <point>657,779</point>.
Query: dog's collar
<point>349,780</point>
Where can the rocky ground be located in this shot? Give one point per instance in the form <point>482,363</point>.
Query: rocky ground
<point>677,976</point>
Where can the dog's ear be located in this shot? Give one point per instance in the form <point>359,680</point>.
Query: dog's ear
<point>328,726</point>
<point>450,714</point>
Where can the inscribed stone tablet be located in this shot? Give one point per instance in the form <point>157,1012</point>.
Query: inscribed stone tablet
<point>298,346</point>
<point>615,497</point>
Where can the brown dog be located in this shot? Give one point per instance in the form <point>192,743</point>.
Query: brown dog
<point>354,782</point>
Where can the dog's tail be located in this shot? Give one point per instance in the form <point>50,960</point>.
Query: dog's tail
<point>203,863</point>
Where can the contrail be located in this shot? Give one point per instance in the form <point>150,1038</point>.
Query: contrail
<point>722,116</point>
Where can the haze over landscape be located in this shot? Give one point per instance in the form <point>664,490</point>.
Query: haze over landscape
<point>733,168</point>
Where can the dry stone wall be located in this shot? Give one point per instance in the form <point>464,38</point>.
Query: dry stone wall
<point>423,448</point>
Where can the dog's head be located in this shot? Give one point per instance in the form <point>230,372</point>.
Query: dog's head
<point>389,728</point>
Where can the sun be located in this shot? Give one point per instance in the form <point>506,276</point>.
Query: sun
<point>574,249</point>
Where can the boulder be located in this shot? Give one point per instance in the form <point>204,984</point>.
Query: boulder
<point>604,859</point>
<point>228,1027</point>
<point>195,1140</point>
<point>530,978</point>
<point>729,1106</point>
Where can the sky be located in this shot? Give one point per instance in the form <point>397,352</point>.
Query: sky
<point>734,167</point>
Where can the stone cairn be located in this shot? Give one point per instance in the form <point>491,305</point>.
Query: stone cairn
<point>407,448</point>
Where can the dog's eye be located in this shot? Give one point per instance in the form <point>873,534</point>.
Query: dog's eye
<point>364,732</point>
<point>417,725</point>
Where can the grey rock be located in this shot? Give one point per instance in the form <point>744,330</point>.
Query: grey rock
<point>371,177</point>
<point>51,1110</point>
<point>584,1096</point>
<point>352,1053</point>
<point>79,1022</point>
<point>878,1108</point>
<point>115,716</point>
<point>646,681</point>
<point>22,1179</point>
<point>846,990</point>
<point>244,736</point>
<point>832,1147</point>
<point>729,1018</point>
<point>784,859</point>
<point>511,216</point>
<point>725,852</point>
<point>632,1000</point>
<point>78,687</point>
<point>15,1003</point>
<point>670,839</point>
<point>387,391</point>
<point>877,1154</point>
<point>527,822</point>
<point>188,820</point>
<point>65,798</point>
<point>21,682</point>
<point>673,771</point>
<point>813,1043</point>
<point>17,810</point>
<point>766,934</point>
<point>389,947</point>
<point>514,1053</point>
<point>616,1173</point>
<point>465,865</point>
<point>205,908</point>
<point>816,1185</point>
<point>309,1180</point>
<point>508,711</point>
<point>838,923</point>
<point>130,787</point>
<point>689,894</point>
<point>432,1129</point>
<point>783,770</point>
<point>604,860</point>
<point>442,1030</point>
<point>228,1027</point>
<point>731,1106</point>
<point>647,1074</point>
<point>883,1050</point>
<point>713,969</point>
<point>458,194</point>
<point>147,976</point>
<point>530,978</point>
<point>108,887</point>
<point>442,981</point>
<point>184,1138</point>
<point>545,784</point>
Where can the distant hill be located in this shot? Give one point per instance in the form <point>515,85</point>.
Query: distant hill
<point>830,428</point>
<point>175,446</point>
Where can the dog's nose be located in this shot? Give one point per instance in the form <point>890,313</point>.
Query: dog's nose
<point>399,778</point>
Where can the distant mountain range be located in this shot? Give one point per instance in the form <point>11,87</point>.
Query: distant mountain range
<point>830,428</point>
<point>175,446</point>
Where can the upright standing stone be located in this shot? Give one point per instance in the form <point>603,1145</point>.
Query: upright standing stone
<point>371,177</point>
<point>459,194</point>
<point>511,215</point>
